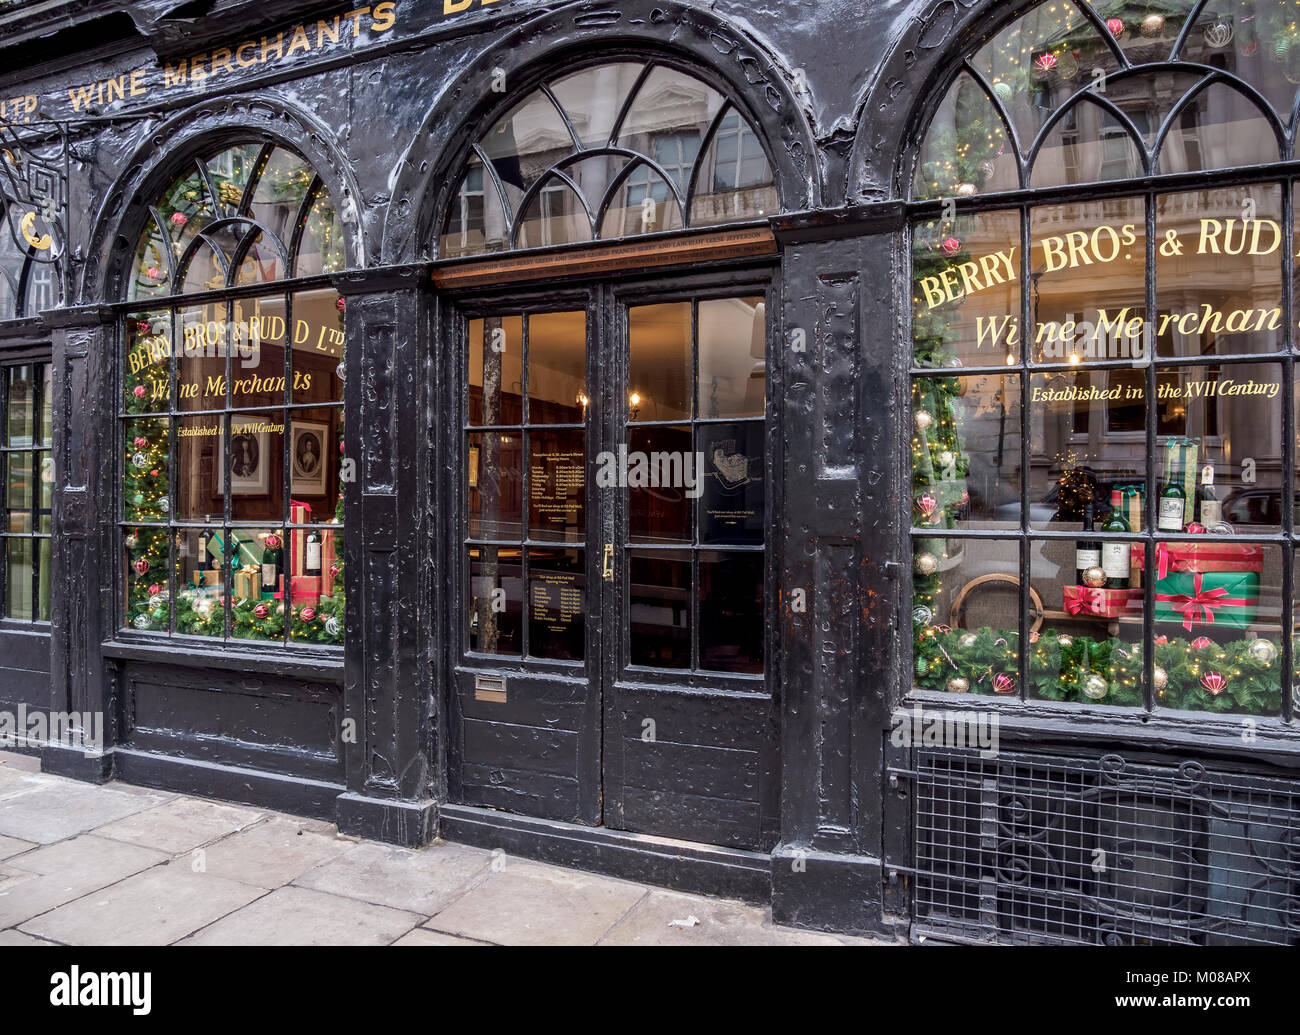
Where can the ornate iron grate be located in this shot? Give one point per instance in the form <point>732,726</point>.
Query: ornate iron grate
<point>1034,849</point>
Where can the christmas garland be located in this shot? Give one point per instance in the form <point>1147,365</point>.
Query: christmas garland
<point>1241,676</point>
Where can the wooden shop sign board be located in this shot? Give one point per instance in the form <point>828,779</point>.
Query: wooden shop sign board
<point>609,258</point>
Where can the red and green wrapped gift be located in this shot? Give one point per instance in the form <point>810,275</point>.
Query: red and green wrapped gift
<point>1212,556</point>
<point>1200,600</point>
<point>1084,601</point>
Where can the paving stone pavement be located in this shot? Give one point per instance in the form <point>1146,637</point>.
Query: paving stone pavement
<point>122,865</point>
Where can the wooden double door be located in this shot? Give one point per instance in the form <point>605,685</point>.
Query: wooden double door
<point>613,602</point>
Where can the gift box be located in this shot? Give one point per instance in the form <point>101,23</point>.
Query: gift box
<point>1132,504</point>
<point>1197,600</point>
<point>248,583</point>
<point>305,589</point>
<point>299,514</point>
<point>1086,602</point>
<point>1203,557</point>
<point>327,559</point>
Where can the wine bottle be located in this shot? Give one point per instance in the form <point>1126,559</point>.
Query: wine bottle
<point>1115,557</point>
<point>312,563</point>
<point>271,564</point>
<point>203,542</point>
<point>1173,502</point>
<point>1209,511</point>
<point>1087,552</point>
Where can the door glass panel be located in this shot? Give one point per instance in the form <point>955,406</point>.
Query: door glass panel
<point>731,611</point>
<point>657,512</point>
<point>557,485</point>
<point>496,604</point>
<point>496,370</point>
<point>731,505</point>
<point>524,599</point>
<point>659,362</point>
<point>495,485</point>
<point>557,368</point>
<point>556,606</point>
<point>659,608</point>
<point>696,483</point>
<point>733,342</point>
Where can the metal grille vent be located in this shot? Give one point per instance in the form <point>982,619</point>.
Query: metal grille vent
<point>1034,849</point>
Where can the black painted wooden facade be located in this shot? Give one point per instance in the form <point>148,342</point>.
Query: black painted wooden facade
<point>783,795</point>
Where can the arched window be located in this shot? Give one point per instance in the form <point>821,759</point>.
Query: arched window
<point>610,151</point>
<point>1103,425</point>
<point>232,405</point>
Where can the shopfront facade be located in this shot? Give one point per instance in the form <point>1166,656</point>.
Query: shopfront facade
<point>624,435</point>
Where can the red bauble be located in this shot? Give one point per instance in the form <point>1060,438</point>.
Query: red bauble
<point>179,219</point>
<point>1004,683</point>
<point>1116,27</point>
<point>141,566</point>
<point>951,246</point>
<point>1201,642</point>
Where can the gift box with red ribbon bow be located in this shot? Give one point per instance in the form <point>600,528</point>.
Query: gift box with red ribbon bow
<point>1207,557</point>
<point>1198,600</point>
<point>1086,602</point>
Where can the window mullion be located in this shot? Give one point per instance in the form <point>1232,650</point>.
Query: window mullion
<point>1150,503</point>
<point>286,486</point>
<point>1024,553</point>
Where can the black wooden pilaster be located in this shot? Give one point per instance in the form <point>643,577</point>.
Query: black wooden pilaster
<point>837,611</point>
<point>390,687</point>
<point>81,547</point>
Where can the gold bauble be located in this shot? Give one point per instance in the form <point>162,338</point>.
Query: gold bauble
<point>1159,678</point>
<point>1152,25</point>
<point>926,563</point>
<point>1065,641</point>
<point>1095,686</point>
<point>1094,577</point>
<point>959,685</point>
<point>967,641</point>
<point>924,418</point>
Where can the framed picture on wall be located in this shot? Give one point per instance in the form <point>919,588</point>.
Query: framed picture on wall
<point>250,462</point>
<point>307,455</point>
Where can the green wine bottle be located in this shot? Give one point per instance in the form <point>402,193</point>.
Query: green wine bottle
<point>1115,557</point>
<point>1173,502</point>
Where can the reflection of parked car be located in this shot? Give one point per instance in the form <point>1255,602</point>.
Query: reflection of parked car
<point>1255,507</point>
<point>1040,513</point>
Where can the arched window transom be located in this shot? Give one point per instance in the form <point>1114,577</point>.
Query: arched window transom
<point>612,151</point>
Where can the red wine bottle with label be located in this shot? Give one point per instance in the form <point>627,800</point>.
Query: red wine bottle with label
<point>1115,557</point>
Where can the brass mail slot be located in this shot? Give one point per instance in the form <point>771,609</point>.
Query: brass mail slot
<point>490,688</point>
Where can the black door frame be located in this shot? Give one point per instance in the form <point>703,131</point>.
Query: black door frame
<point>605,298</point>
